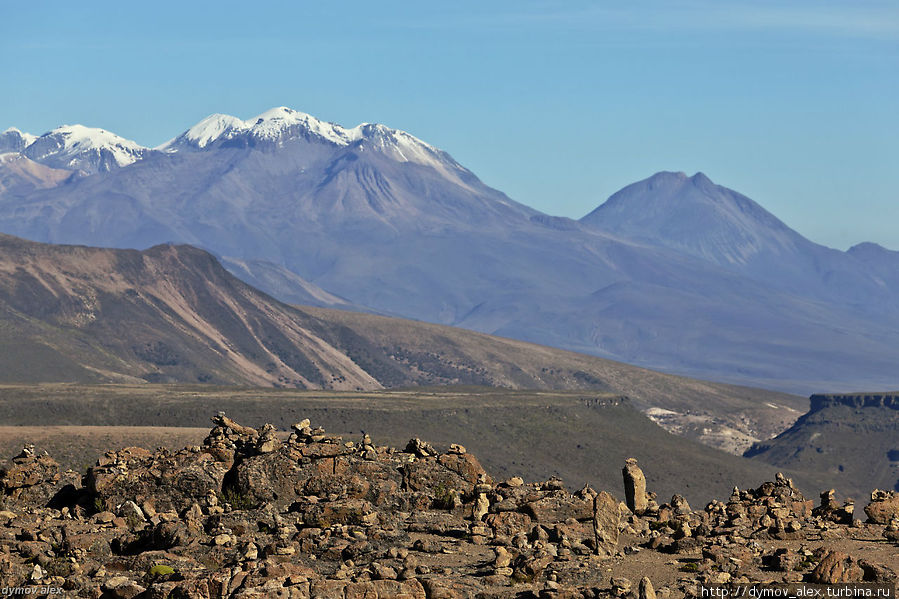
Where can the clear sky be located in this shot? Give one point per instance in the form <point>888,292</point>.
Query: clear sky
<point>794,103</point>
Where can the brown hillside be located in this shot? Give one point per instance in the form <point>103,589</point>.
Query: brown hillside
<point>173,314</point>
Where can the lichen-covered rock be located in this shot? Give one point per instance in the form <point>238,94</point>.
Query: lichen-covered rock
<point>606,518</point>
<point>443,477</point>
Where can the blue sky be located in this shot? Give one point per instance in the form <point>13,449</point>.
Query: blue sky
<point>559,104</point>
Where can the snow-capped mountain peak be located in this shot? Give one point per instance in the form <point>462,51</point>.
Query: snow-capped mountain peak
<point>213,127</point>
<point>86,138</point>
<point>282,124</point>
<point>88,149</point>
<point>275,125</point>
<point>401,146</point>
<point>272,124</point>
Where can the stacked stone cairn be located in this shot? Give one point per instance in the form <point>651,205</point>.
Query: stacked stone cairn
<point>255,513</point>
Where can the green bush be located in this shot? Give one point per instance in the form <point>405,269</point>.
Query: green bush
<point>160,570</point>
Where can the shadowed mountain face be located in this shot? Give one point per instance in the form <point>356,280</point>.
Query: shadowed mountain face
<point>853,439</point>
<point>172,313</point>
<point>674,273</point>
<point>13,140</point>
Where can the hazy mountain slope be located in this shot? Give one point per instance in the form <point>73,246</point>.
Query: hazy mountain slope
<point>397,236</point>
<point>732,332</point>
<point>284,284</point>
<point>172,313</point>
<point>20,176</point>
<point>695,216</point>
<point>674,272</point>
<point>877,259</point>
<point>714,412</point>
<point>575,289</point>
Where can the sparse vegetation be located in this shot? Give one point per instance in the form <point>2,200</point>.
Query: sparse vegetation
<point>158,570</point>
<point>59,566</point>
<point>444,498</point>
<point>237,500</point>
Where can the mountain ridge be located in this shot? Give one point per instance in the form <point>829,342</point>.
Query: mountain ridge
<point>93,150</point>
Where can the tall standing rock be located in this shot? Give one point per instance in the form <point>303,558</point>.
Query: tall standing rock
<point>606,517</point>
<point>646,591</point>
<point>634,487</point>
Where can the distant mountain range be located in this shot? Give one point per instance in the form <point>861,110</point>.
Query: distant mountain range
<point>674,272</point>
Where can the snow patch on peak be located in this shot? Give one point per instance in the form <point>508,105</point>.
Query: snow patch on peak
<point>279,112</point>
<point>84,148</point>
<point>282,123</point>
<point>81,137</point>
<point>272,124</point>
<point>400,145</point>
<point>208,130</point>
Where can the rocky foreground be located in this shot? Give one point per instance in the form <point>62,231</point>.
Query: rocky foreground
<point>253,513</point>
